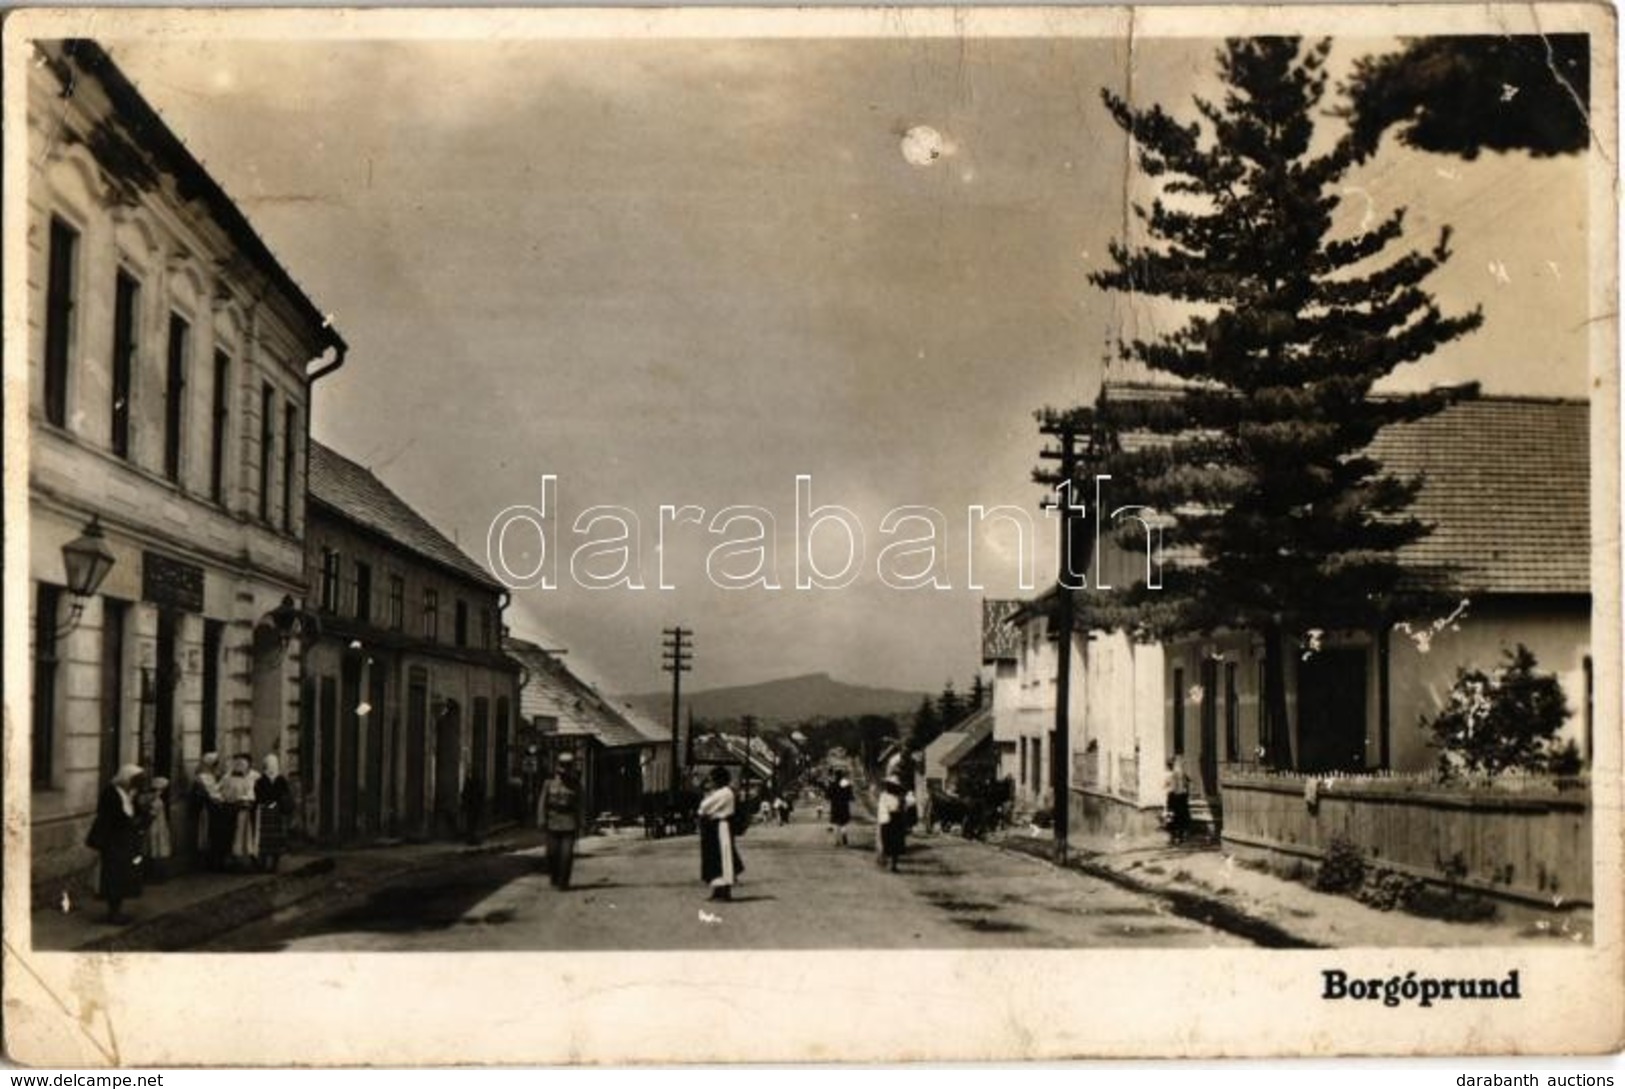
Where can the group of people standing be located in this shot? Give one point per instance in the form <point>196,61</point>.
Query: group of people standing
<point>241,819</point>
<point>242,814</point>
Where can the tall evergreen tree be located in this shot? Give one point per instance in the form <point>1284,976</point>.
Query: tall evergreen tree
<point>1288,323</point>
<point>950,707</point>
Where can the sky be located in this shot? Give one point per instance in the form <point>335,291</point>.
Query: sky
<point>686,272</point>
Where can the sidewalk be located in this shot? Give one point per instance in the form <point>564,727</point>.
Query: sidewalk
<point>192,908</point>
<point>1209,884</point>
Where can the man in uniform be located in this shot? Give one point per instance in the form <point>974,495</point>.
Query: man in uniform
<point>558,814</point>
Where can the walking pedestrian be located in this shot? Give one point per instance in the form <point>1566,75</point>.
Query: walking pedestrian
<point>891,824</point>
<point>559,812</point>
<point>720,864</point>
<point>275,799</point>
<point>116,835</point>
<point>1178,785</point>
<point>840,808</point>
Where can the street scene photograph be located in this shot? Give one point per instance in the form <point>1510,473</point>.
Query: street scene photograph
<point>724,491</point>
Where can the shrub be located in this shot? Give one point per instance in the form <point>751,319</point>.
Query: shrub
<point>1386,890</point>
<point>1499,721</point>
<point>1343,869</point>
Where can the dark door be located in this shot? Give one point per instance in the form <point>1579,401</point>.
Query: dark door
<point>417,751</point>
<point>481,746</point>
<point>447,779</point>
<point>327,758</point>
<point>374,808</point>
<point>112,748</point>
<point>1208,758</point>
<point>1331,710</point>
<point>501,790</point>
<point>213,632</point>
<point>163,718</point>
<point>348,771</point>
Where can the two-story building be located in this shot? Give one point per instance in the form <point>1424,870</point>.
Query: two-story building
<point>169,360</point>
<point>406,689</point>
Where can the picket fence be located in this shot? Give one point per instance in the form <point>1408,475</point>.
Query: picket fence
<point>1522,836</point>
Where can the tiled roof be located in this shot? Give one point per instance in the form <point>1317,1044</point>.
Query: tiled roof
<point>999,637</point>
<point>552,690</point>
<point>954,745</point>
<point>359,496</point>
<point>1506,489</point>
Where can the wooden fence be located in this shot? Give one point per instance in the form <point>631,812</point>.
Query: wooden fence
<point>1528,840</point>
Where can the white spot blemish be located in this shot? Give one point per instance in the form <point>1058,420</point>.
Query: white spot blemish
<point>1447,175</point>
<point>922,145</point>
<point>1498,269</point>
<point>1555,271</point>
<point>1508,92</point>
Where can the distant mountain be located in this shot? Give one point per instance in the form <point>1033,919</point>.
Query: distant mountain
<point>793,699</point>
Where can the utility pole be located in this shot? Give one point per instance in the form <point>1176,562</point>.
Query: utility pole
<point>678,656</point>
<point>1067,429</point>
<point>750,726</point>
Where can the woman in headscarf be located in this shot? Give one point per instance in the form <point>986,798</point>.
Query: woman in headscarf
<point>116,836</point>
<point>275,800</point>
<point>213,827</point>
<point>720,864</point>
<point>237,795</point>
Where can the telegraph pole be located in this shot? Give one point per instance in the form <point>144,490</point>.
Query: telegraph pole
<point>678,656</point>
<point>750,726</point>
<point>1067,429</point>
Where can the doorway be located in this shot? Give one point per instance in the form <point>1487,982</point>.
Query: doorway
<point>166,677</point>
<point>374,807</point>
<point>417,744</point>
<point>1332,711</point>
<point>349,764</point>
<point>447,754</point>
<point>1207,760</point>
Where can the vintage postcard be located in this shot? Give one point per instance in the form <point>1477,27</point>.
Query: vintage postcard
<point>683,532</point>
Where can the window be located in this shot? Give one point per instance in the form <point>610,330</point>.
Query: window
<point>126,307</point>
<point>330,580</point>
<point>267,447</point>
<point>363,592</point>
<point>397,603</point>
<point>221,422</point>
<point>180,335</point>
<point>460,619</point>
<point>431,614</point>
<point>1179,712</point>
<point>486,628</point>
<point>1232,714</point>
<point>47,604</point>
<point>290,425</point>
<point>59,319</point>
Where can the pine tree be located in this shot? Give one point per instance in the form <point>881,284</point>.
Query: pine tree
<point>1288,324</point>
<point>1460,94</point>
<point>950,707</point>
<point>927,724</point>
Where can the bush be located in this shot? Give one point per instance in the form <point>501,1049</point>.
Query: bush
<point>1343,869</point>
<point>1501,721</point>
<point>1386,890</point>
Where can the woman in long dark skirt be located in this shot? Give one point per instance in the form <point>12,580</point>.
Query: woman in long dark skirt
<point>720,864</point>
<point>274,797</point>
<point>116,835</point>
